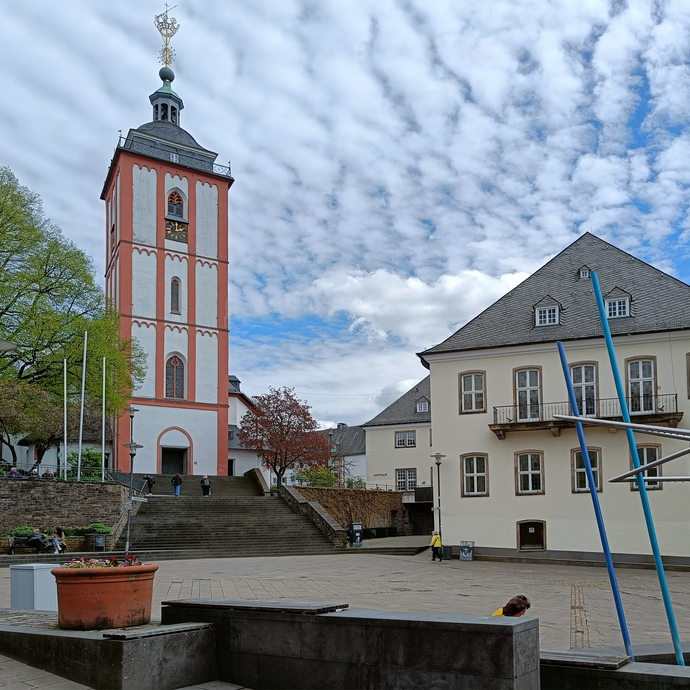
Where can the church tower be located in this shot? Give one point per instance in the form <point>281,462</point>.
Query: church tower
<point>167,274</point>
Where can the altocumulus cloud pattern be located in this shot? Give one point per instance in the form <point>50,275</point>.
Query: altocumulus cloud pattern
<point>399,165</point>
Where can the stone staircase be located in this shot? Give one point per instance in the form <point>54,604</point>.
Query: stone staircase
<point>237,520</point>
<point>191,485</point>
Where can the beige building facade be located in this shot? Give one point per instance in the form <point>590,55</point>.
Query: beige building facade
<point>513,478</point>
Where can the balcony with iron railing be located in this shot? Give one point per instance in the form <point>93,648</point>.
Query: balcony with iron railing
<point>657,409</point>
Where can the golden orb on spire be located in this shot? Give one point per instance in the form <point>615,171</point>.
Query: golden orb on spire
<point>167,27</point>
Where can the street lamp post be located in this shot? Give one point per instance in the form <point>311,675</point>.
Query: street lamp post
<point>439,457</point>
<point>132,453</point>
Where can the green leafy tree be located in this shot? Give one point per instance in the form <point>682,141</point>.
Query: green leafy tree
<point>317,476</point>
<point>48,299</point>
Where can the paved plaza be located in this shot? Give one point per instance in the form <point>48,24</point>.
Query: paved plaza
<point>574,604</point>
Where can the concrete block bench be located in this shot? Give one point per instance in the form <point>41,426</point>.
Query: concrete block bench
<point>284,644</point>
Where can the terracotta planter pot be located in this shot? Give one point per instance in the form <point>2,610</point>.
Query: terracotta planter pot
<point>99,598</point>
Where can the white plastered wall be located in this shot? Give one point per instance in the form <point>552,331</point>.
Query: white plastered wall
<point>383,458</point>
<point>144,283</point>
<point>206,294</point>
<point>201,425</point>
<point>206,367</point>
<point>145,335</point>
<point>144,211</point>
<point>176,341</point>
<point>491,521</point>
<point>176,267</point>
<point>206,220</point>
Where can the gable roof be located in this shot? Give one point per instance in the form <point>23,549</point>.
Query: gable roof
<point>404,409</point>
<point>348,440</point>
<point>658,302</point>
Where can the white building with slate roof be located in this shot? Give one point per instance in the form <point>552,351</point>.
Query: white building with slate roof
<point>513,480</point>
<point>398,446</point>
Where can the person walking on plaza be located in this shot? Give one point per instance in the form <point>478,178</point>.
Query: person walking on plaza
<point>515,608</point>
<point>206,485</point>
<point>435,546</point>
<point>150,481</point>
<point>177,483</point>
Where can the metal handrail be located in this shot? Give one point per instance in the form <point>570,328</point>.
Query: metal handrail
<point>182,156</point>
<point>603,408</point>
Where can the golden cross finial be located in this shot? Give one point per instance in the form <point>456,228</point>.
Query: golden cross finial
<point>167,27</point>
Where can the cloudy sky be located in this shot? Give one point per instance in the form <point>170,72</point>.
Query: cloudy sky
<point>400,164</point>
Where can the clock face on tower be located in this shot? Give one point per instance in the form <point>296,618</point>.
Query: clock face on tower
<point>175,230</point>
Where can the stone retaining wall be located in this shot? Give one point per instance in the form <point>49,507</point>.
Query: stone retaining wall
<point>371,508</point>
<point>45,504</point>
<point>325,522</point>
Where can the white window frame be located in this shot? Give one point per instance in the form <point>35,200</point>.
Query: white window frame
<point>470,397</point>
<point>406,479</point>
<point>617,308</point>
<point>399,439</point>
<point>527,405</point>
<point>646,389</point>
<point>584,273</point>
<point>585,391</point>
<point>529,472</point>
<point>410,439</point>
<point>474,477</point>
<point>546,316</point>
<point>580,473</point>
<point>643,453</point>
<point>423,406</point>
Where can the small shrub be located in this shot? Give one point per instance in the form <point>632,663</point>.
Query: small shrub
<point>93,528</point>
<point>99,528</point>
<point>23,531</point>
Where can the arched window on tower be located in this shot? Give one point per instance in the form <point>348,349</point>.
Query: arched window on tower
<point>174,378</point>
<point>164,112</point>
<point>173,114</point>
<point>175,296</point>
<point>175,205</point>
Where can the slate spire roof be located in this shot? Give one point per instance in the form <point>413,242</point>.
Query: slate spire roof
<point>404,409</point>
<point>658,302</point>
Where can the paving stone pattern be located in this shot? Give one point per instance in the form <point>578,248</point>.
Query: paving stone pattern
<point>414,583</point>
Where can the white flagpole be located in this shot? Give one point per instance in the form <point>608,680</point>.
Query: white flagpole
<point>64,421</point>
<point>81,410</point>
<point>103,429</point>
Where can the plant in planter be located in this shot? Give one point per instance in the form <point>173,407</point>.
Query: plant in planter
<point>99,593</point>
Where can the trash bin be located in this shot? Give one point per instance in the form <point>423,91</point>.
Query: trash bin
<point>447,553</point>
<point>99,542</point>
<point>33,587</point>
<point>356,534</point>
<point>466,550</point>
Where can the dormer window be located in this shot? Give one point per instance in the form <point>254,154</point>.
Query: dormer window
<point>175,205</point>
<point>423,406</point>
<point>616,308</point>
<point>546,316</point>
<point>584,272</point>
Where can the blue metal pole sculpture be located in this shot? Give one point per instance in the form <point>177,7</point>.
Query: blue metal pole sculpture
<point>597,507</point>
<point>640,481</point>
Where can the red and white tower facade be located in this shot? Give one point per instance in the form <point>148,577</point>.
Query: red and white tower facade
<point>167,274</point>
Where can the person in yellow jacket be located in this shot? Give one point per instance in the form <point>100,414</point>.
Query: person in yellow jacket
<point>435,546</point>
<point>515,608</point>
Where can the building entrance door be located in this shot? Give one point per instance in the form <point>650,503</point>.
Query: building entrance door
<point>531,536</point>
<point>174,460</point>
